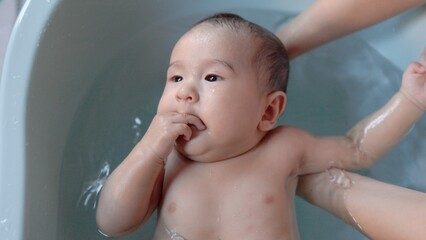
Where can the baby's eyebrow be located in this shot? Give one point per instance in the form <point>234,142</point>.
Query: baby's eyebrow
<point>173,63</point>
<point>214,61</point>
<point>225,63</point>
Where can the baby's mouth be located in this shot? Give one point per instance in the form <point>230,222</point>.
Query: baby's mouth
<point>198,126</point>
<point>195,131</point>
<point>193,127</point>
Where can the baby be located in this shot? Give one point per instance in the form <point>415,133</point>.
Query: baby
<point>214,163</point>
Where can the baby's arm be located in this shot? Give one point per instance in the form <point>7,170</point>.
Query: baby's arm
<point>378,133</point>
<point>379,210</point>
<point>375,135</point>
<point>327,20</point>
<point>133,191</point>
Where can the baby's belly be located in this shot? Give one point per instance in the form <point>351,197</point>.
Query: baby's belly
<point>227,230</point>
<point>256,208</point>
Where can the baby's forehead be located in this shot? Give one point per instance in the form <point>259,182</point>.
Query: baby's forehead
<point>240,39</point>
<point>222,31</point>
<point>207,42</point>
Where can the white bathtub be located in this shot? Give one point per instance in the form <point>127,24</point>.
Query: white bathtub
<point>81,80</point>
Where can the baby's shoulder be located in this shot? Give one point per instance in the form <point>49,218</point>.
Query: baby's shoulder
<point>287,132</point>
<point>279,137</point>
<point>284,146</point>
<point>286,139</point>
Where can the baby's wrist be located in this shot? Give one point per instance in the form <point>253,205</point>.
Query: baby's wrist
<point>147,151</point>
<point>413,101</point>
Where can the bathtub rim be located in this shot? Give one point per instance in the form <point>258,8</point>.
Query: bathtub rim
<point>12,122</point>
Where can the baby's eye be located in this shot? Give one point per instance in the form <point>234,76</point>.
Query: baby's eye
<point>176,78</point>
<point>212,78</point>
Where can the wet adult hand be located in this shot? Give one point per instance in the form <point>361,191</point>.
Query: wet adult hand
<point>414,82</point>
<point>164,130</point>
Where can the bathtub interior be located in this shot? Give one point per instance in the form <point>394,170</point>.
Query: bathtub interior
<point>92,87</point>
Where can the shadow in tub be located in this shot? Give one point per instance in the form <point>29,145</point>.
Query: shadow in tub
<point>330,89</point>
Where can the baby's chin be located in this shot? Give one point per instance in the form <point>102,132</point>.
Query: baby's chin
<point>192,151</point>
<point>189,149</point>
<point>201,148</point>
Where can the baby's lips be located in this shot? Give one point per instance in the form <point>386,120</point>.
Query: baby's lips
<point>193,128</point>
<point>199,125</point>
<point>202,127</point>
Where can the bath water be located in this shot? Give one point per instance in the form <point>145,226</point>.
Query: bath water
<point>330,89</point>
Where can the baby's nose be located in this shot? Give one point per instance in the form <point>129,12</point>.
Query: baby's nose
<point>187,94</point>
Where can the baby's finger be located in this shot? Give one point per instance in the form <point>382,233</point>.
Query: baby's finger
<point>185,131</point>
<point>193,120</point>
<point>418,68</point>
<point>415,68</point>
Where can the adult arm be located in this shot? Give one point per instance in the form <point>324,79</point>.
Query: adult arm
<point>326,20</point>
<point>378,210</point>
<point>374,136</point>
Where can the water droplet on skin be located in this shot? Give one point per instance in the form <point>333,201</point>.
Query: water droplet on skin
<point>340,178</point>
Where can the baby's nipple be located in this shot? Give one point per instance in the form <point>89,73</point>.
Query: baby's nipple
<point>171,208</point>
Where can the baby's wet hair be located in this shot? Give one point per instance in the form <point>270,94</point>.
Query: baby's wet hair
<point>270,60</point>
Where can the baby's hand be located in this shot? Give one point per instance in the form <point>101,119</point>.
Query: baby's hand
<point>414,82</point>
<point>165,128</point>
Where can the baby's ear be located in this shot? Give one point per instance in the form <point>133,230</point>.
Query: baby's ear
<point>275,104</point>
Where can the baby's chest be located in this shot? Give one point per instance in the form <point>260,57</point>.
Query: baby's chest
<point>215,200</point>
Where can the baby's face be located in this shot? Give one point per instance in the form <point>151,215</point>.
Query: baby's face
<point>211,77</point>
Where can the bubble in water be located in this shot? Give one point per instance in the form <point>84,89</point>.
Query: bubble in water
<point>138,121</point>
<point>102,233</point>
<point>92,188</point>
<point>137,127</point>
<point>174,235</point>
<point>4,225</point>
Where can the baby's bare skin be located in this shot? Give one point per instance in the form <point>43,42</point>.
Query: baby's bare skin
<point>212,160</point>
<point>246,197</point>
